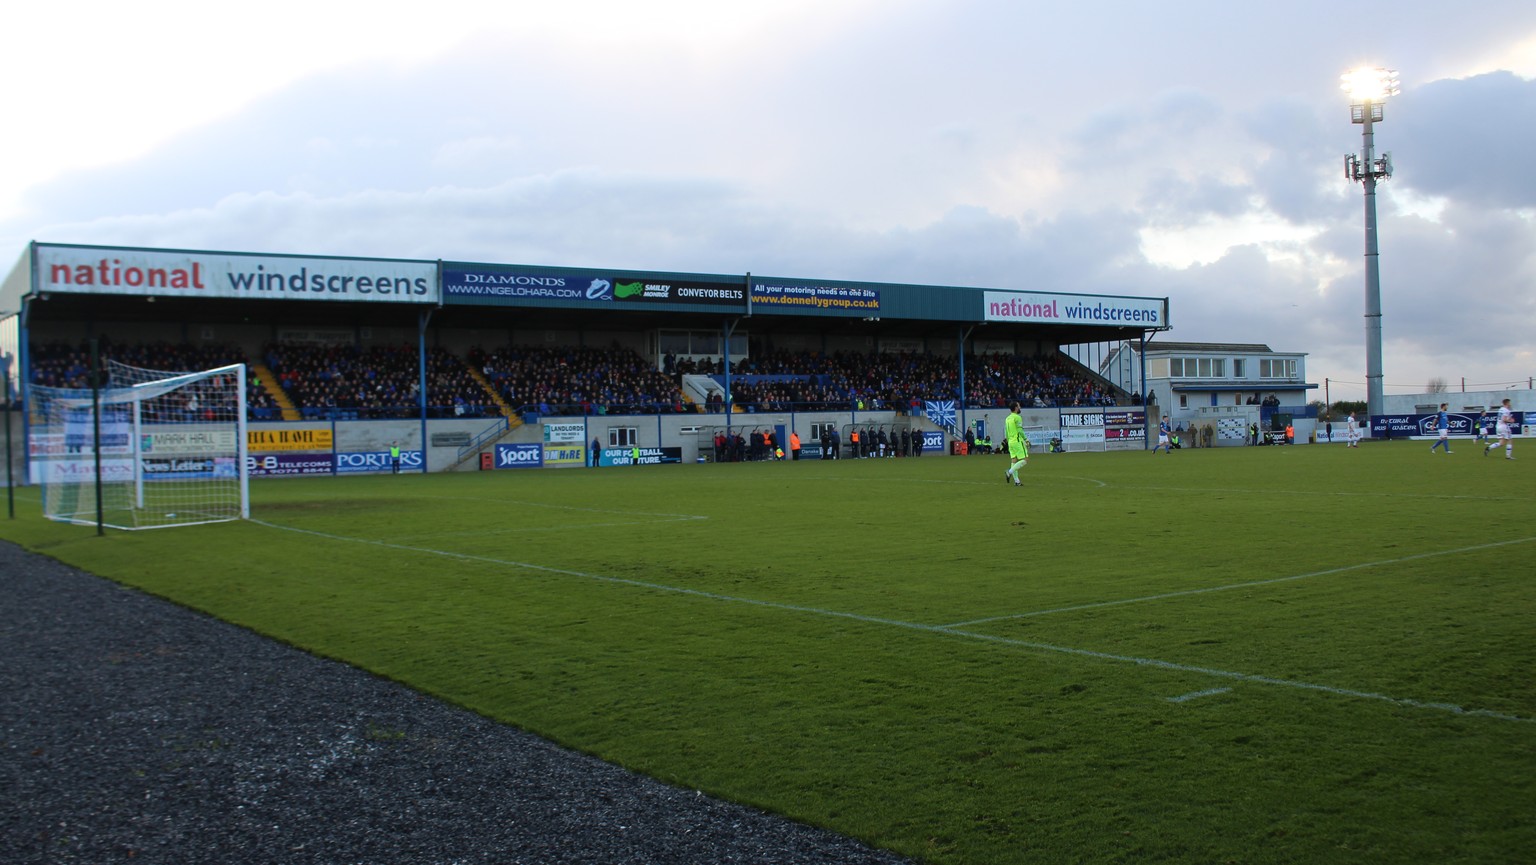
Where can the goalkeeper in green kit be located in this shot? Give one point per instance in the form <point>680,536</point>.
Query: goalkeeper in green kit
<point>1018,444</point>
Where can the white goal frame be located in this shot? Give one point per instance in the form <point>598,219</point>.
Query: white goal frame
<point>154,449</point>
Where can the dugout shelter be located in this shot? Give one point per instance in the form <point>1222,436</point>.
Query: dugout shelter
<point>71,293</point>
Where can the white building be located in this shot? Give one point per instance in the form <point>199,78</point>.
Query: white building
<point>1204,382</point>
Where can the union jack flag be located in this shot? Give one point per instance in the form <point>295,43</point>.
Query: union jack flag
<point>942,412</point>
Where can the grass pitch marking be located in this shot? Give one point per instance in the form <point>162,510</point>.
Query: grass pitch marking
<point>1195,695</point>
<point>1250,584</point>
<point>647,518</point>
<point>947,630</point>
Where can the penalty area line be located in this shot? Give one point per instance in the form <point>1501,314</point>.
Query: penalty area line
<point>947,630</point>
<point>1247,585</point>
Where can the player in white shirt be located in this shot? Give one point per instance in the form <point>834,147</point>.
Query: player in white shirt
<point>1352,432</point>
<point>1504,426</point>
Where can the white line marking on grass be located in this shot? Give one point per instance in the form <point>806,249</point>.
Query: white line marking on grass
<point>1329,493</point>
<point>1195,695</point>
<point>656,514</point>
<point>523,530</point>
<point>928,629</point>
<point>992,482</point>
<point>1250,584</point>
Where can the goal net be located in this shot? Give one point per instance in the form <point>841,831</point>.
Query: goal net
<point>152,449</point>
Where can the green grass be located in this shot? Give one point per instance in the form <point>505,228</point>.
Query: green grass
<point>1251,655</point>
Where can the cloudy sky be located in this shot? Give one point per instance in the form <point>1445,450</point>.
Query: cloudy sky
<point>1192,150</point>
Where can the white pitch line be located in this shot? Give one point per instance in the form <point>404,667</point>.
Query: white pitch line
<point>1250,584</point>
<point>1323,493</point>
<point>1208,692</point>
<point>584,510</point>
<point>524,530</point>
<point>934,629</point>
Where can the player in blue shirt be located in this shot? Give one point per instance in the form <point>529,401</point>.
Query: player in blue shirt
<point>1164,431</point>
<point>1443,424</point>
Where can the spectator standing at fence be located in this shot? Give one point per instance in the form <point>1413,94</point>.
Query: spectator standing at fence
<point>1018,445</point>
<point>394,457</point>
<point>1443,427</point>
<point>794,446</point>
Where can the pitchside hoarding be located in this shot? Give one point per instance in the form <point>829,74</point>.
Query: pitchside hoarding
<point>1426,425</point>
<point>166,273</point>
<point>648,456</point>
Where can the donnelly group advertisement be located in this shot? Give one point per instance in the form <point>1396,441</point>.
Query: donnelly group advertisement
<point>829,297</point>
<point>112,270</point>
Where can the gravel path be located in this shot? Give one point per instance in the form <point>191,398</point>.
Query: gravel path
<point>133,730</point>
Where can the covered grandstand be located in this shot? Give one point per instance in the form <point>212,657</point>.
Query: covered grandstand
<point>481,364</point>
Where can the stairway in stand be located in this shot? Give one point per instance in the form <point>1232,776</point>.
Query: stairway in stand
<point>502,405</point>
<point>274,389</point>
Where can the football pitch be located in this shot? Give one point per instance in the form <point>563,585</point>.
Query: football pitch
<point>1252,655</point>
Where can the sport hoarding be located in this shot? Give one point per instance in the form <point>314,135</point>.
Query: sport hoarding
<point>620,288</point>
<point>1042,308</point>
<point>185,273</point>
<point>519,456</point>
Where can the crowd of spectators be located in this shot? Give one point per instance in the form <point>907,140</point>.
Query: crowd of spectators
<point>349,382</point>
<point>346,382</point>
<point>901,382</point>
<point>65,365</point>
<point>578,381</point>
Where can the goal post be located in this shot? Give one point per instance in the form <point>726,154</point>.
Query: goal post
<point>152,449</point>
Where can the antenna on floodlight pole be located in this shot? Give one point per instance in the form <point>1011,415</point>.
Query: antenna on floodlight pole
<point>1368,90</point>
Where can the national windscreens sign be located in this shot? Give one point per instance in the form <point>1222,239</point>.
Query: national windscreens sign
<point>175,273</point>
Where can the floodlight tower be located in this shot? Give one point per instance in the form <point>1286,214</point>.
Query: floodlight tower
<point>1368,89</point>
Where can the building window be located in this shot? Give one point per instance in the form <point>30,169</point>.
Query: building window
<point>622,436</point>
<point>1237,367</point>
<point>1183,400</point>
<point>1277,368</point>
<point>1176,367</point>
<point>1219,367</point>
<point>1205,367</point>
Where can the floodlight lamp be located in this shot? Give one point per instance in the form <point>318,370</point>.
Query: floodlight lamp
<point>1369,84</point>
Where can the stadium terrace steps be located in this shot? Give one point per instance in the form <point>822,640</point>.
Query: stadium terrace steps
<point>501,405</point>
<point>274,389</point>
